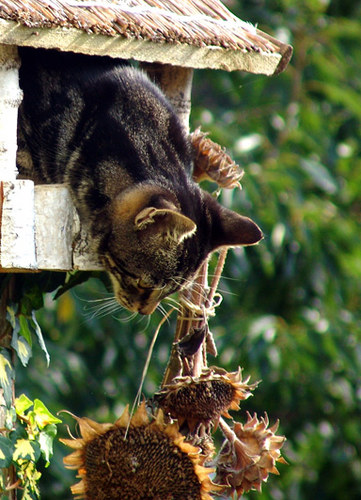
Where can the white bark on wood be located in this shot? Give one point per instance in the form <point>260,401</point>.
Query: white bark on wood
<point>61,243</point>
<point>17,250</point>
<point>54,222</point>
<point>40,230</point>
<point>10,99</point>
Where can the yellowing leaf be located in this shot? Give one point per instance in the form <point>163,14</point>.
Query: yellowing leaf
<point>22,403</point>
<point>22,348</point>
<point>6,376</point>
<point>41,341</point>
<point>3,372</point>
<point>25,450</point>
<point>42,415</point>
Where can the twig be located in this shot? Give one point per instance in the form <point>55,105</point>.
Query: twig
<point>146,366</point>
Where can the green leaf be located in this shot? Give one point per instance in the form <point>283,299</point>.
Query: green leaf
<point>337,94</point>
<point>32,298</point>
<point>73,280</point>
<point>6,452</point>
<point>26,450</point>
<point>39,334</point>
<point>11,314</point>
<point>18,433</point>
<point>46,439</point>
<point>6,376</point>
<point>22,403</point>
<point>10,418</point>
<point>42,415</point>
<point>25,330</point>
<point>22,348</point>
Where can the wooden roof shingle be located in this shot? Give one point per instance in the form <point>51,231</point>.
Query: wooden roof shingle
<point>191,33</point>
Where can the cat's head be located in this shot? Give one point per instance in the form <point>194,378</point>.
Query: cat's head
<point>153,250</point>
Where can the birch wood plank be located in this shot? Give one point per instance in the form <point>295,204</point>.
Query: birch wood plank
<point>17,250</point>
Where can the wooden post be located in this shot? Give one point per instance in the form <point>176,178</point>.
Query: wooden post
<point>13,194</point>
<point>10,99</point>
<point>17,250</point>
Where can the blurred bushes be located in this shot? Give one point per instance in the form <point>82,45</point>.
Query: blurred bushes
<point>291,311</point>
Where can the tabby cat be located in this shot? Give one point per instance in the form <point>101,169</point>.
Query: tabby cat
<point>111,135</point>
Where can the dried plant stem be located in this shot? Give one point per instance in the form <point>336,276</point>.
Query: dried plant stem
<point>197,304</point>
<point>227,431</point>
<point>217,274</point>
<point>146,366</point>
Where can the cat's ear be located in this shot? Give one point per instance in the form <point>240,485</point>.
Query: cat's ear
<point>167,223</point>
<point>231,229</point>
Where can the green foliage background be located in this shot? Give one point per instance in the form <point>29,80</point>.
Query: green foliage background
<point>291,314</point>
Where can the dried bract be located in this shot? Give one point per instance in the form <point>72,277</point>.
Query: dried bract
<point>248,455</point>
<point>213,163</point>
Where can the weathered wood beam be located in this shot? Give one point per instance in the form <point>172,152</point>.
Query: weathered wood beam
<point>177,54</point>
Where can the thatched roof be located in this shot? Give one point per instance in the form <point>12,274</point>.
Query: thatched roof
<point>187,32</point>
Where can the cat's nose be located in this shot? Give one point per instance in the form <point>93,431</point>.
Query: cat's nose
<point>148,308</point>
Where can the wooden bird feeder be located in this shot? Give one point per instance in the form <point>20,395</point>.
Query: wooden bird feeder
<point>39,226</point>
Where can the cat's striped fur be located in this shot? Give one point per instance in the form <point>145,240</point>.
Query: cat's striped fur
<point>111,135</point>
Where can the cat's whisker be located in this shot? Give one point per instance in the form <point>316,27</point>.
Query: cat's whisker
<point>104,310</point>
<point>186,282</point>
<point>147,319</point>
<point>160,288</point>
<point>229,278</point>
<point>164,312</point>
<point>227,292</point>
<point>173,303</point>
<point>180,281</point>
<point>95,303</point>
<point>103,299</point>
<point>130,317</point>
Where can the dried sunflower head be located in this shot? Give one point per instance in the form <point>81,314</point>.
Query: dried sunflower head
<point>248,455</point>
<point>203,399</point>
<point>151,461</point>
<point>213,163</point>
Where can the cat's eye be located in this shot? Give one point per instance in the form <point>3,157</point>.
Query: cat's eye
<point>143,285</point>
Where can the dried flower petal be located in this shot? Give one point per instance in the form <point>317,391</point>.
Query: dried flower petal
<point>151,460</point>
